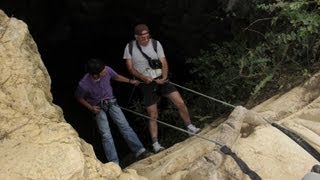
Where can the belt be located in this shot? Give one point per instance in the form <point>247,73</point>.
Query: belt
<point>108,101</point>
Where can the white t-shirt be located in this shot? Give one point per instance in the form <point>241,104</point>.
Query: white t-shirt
<point>140,63</point>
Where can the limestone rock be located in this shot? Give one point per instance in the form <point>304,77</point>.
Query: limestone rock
<point>265,149</point>
<point>35,140</point>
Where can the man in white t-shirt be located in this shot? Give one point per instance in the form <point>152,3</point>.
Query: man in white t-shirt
<point>155,84</point>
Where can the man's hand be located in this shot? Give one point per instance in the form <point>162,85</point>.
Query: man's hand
<point>134,82</point>
<point>161,81</point>
<point>95,109</point>
<point>147,79</point>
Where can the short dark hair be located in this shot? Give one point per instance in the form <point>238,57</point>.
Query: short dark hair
<point>95,66</point>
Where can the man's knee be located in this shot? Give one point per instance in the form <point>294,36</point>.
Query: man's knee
<point>176,99</point>
<point>106,136</point>
<point>180,104</point>
<point>153,116</point>
<point>152,112</point>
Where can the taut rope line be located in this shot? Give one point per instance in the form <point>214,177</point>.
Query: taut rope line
<point>174,127</point>
<point>305,145</point>
<point>222,102</point>
<point>223,148</point>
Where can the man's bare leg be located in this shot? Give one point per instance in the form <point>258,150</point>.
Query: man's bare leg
<point>153,127</point>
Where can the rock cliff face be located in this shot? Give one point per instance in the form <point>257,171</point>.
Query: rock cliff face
<point>35,140</point>
<point>37,143</point>
<point>265,149</point>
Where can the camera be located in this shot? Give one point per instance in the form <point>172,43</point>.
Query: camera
<point>155,63</point>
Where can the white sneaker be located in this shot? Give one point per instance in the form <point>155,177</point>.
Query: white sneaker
<point>157,147</point>
<point>191,128</point>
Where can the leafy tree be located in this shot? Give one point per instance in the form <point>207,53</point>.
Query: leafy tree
<point>283,37</point>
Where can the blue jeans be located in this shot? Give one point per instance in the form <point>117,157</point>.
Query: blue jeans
<point>127,132</point>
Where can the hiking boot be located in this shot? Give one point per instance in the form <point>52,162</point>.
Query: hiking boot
<point>157,147</point>
<point>192,129</point>
<point>144,155</point>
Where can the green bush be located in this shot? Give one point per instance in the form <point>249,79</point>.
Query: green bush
<point>244,67</point>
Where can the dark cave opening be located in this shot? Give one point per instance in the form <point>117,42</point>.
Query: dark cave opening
<point>68,33</point>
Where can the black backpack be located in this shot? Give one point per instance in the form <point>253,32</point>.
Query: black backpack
<point>154,45</point>
<point>154,63</point>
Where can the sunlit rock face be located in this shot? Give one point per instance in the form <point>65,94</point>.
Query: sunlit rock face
<point>35,140</point>
<point>267,151</point>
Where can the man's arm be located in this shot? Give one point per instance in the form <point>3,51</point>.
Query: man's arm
<point>94,109</point>
<point>121,78</point>
<point>164,71</point>
<point>137,74</point>
<point>164,68</point>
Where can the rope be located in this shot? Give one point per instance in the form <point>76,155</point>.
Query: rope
<point>223,148</point>
<point>206,96</point>
<point>132,92</point>
<point>226,150</point>
<point>131,95</point>
<point>222,102</point>
<point>305,145</point>
<point>174,127</point>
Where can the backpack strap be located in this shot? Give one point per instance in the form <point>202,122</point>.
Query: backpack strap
<point>154,63</point>
<point>144,54</point>
<point>154,45</point>
<point>131,47</point>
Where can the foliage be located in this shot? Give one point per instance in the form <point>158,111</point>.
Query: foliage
<point>285,39</point>
<point>263,41</point>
